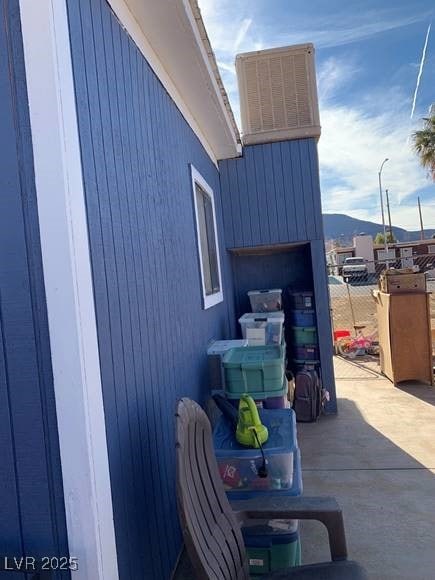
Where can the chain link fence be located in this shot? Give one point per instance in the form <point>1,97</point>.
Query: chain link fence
<point>353,308</point>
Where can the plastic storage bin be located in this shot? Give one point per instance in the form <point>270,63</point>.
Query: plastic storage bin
<point>262,328</point>
<point>255,370</point>
<point>304,335</point>
<point>238,465</point>
<point>304,317</point>
<point>300,365</point>
<point>215,353</point>
<point>276,402</point>
<point>272,548</point>
<point>303,300</point>
<point>307,352</point>
<point>265,300</point>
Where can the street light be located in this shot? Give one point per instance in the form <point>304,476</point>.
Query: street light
<point>382,210</point>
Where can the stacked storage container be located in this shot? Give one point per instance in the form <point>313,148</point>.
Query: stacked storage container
<point>270,544</point>
<point>257,371</point>
<point>260,370</point>
<point>304,331</point>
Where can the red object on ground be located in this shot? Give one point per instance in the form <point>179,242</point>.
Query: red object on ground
<point>340,334</point>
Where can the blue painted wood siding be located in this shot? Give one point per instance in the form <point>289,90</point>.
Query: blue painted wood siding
<point>153,333</point>
<point>271,194</point>
<point>32,518</point>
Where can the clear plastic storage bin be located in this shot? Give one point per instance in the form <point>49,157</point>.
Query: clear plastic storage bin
<point>303,300</point>
<point>265,300</point>
<point>262,328</point>
<point>239,465</point>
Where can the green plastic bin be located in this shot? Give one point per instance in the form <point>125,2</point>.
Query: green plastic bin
<point>304,335</point>
<point>269,553</point>
<point>255,370</point>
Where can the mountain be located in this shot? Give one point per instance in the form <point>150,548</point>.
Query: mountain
<point>343,227</point>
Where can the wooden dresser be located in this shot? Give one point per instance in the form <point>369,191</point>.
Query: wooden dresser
<point>405,339</point>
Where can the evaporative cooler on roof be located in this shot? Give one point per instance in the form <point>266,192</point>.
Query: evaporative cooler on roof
<point>278,94</point>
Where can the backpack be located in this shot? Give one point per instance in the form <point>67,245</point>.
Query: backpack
<point>309,397</point>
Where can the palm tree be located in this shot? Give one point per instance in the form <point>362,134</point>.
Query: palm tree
<point>424,145</point>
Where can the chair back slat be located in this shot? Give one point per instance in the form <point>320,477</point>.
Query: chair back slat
<point>211,532</point>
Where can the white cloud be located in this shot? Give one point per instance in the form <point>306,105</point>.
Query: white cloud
<point>332,75</point>
<point>346,28</point>
<point>354,142</point>
<point>241,35</point>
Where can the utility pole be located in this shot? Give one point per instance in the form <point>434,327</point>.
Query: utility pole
<point>421,220</point>
<point>389,216</point>
<point>387,265</point>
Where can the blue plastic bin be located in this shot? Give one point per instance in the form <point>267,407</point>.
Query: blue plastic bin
<point>238,465</point>
<point>303,318</point>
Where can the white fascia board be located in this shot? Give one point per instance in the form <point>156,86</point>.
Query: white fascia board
<point>69,289</point>
<point>131,14</point>
<point>133,28</point>
<point>201,47</point>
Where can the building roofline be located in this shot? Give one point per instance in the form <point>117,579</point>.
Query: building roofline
<point>214,66</point>
<point>172,37</point>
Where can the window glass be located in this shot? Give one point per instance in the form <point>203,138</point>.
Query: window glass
<point>207,241</point>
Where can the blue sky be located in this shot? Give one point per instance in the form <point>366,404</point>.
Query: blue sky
<point>368,56</point>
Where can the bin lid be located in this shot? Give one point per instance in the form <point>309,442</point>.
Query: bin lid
<point>280,423</point>
<point>255,292</point>
<point>221,346</point>
<point>262,317</point>
<point>254,355</point>
<point>266,536</point>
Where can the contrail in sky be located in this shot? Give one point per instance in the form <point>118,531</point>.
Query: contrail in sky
<point>423,58</point>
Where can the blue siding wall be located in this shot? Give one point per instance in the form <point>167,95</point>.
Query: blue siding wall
<point>153,333</point>
<point>32,519</point>
<point>270,197</point>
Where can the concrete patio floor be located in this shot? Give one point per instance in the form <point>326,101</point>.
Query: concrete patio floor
<point>377,457</point>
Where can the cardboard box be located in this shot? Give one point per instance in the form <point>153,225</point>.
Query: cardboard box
<point>402,283</point>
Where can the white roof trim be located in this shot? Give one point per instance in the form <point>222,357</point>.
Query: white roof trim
<point>166,32</point>
<point>204,41</point>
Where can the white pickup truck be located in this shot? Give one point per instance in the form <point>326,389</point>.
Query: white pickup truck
<point>355,268</point>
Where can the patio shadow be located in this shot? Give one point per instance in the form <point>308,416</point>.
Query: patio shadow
<point>377,457</point>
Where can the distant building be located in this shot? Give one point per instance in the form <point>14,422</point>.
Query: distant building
<point>400,254</point>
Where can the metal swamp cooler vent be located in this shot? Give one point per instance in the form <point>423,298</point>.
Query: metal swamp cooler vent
<point>278,94</point>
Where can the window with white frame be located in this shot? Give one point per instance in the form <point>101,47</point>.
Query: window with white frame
<point>208,246</point>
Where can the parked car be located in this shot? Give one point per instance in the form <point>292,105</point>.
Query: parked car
<point>355,268</point>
